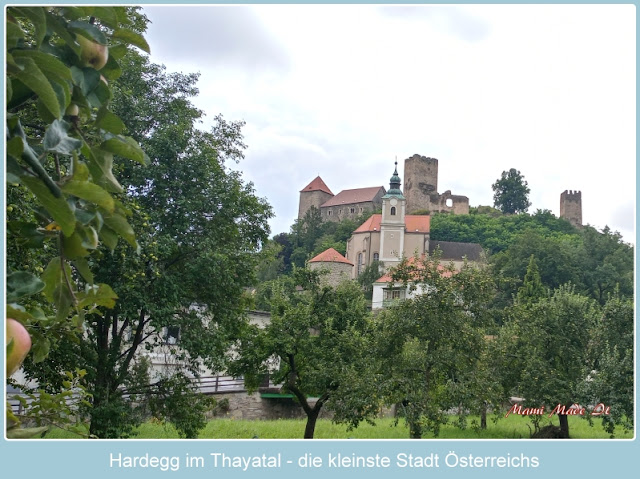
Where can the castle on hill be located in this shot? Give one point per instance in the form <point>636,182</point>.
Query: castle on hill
<point>397,232</point>
<point>420,191</point>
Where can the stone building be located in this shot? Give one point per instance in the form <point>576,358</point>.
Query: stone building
<point>571,207</point>
<point>337,267</point>
<point>314,194</point>
<point>352,203</point>
<point>346,204</point>
<point>421,189</point>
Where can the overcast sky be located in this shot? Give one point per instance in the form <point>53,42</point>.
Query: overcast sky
<point>342,91</point>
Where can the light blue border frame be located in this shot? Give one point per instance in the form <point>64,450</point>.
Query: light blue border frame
<point>71,458</point>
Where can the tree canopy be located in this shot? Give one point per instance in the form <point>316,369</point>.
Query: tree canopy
<point>196,219</point>
<point>64,145</point>
<point>511,192</point>
<point>317,345</point>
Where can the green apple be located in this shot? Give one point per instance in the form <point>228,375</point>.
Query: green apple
<point>92,53</point>
<point>72,110</point>
<point>17,334</point>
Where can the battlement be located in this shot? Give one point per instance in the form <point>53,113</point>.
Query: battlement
<point>571,195</point>
<point>571,206</point>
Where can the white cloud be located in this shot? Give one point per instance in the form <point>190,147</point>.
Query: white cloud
<point>341,90</point>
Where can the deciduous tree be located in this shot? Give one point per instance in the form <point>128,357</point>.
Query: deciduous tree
<point>200,228</point>
<point>63,144</point>
<point>432,342</point>
<point>511,192</point>
<point>316,346</point>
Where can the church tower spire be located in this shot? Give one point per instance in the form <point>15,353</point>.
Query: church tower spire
<point>392,225</point>
<point>394,183</point>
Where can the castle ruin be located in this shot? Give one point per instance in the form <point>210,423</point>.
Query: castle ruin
<point>571,207</point>
<point>421,189</point>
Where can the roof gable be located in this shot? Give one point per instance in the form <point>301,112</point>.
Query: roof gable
<point>357,195</point>
<point>330,256</point>
<point>317,185</point>
<point>413,224</point>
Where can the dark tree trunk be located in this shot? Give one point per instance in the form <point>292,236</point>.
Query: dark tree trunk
<point>483,417</point>
<point>312,418</point>
<point>564,425</point>
<point>415,431</point>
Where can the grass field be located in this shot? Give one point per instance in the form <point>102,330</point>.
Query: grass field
<point>513,427</point>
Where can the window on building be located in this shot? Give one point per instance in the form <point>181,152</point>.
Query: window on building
<point>172,334</point>
<point>352,210</point>
<point>329,213</point>
<point>360,263</point>
<point>376,257</point>
<point>393,211</point>
<point>393,294</point>
<point>361,210</point>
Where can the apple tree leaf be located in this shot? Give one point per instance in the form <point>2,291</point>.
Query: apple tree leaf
<point>20,284</point>
<point>56,139</point>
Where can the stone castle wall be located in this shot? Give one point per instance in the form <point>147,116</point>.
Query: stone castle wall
<point>311,198</point>
<point>336,273</point>
<point>421,189</point>
<point>242,405</point>
<point>420,183</point>
<point>347,211</point>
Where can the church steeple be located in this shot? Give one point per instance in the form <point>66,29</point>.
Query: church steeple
<point>392,224</point>
<point>394,185</point>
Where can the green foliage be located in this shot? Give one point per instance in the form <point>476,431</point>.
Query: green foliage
<point>544,348</point>
<point>496,233</point>
<point>611,359</point>
<point>511,193</point>
<point>311,236</point>
<point>46,410</point>
<point>195,218</point>
<point>315,345</point>
<point>532,289</point>
<point>369,275</point>
<point>430,345</point>
<point>60,157</point>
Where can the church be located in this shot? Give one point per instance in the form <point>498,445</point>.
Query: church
<point>388,237</point>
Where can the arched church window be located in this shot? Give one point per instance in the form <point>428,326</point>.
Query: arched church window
<point>393,211</point>
<point>359,263</point>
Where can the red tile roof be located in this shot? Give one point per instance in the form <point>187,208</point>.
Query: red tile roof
<point>357,195</point>
<point>317,184</point>
<point>413,224</point>
<point>330,256</point>
<point>386,278</point>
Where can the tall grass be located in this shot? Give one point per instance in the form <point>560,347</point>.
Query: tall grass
<point>513,427</point>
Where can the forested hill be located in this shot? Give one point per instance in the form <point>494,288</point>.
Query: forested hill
<point>494,230</point>
<point>595,262</point>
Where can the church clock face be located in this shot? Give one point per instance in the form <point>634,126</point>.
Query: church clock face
<point>393,202</point>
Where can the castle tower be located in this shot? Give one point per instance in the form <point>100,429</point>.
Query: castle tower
<point>421,183</point>
<point>571,207</point>
<point>392,224</point>
<point>314,194</point>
